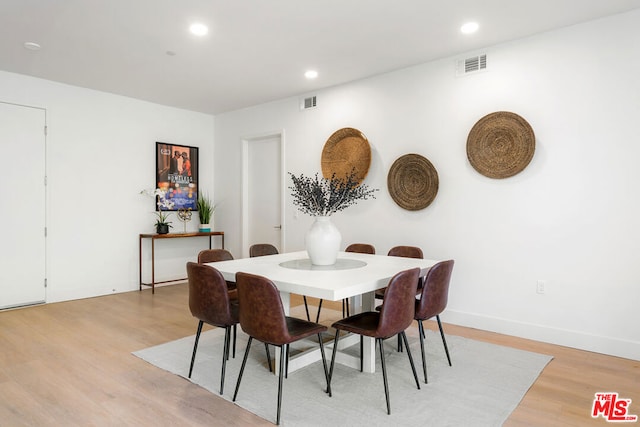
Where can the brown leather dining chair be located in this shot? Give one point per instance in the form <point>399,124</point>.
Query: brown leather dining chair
<point>393,318</point>
<point>215,255</point>
<point>209,303</point>
<point>262,249</point>
<point>262,317</point>
<point>266,249</point>
<point>406,252</point>
<point>362,248</point>
<point>432,302</point>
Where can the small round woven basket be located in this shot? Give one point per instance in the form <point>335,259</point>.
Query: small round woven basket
<point>500,145</point>
<point>346,150</point>
<point>412,182</point>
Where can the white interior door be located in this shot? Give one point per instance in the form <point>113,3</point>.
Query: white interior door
<point>264,191</point>
<point>22,213</point>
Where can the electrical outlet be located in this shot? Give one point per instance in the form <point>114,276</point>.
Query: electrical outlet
<point>541,286</point>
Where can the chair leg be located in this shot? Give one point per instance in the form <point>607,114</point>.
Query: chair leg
<point>413,367</point>
<point>384,375</point>
<point>361,353</point>
<point>306,307</point>
<point>225,355</point>
<point>284,349</point>
<point>195,346</point>
<point>324,364</point>
<point>444,341</point>
<point>227,343</point>
<point>286,362</point>
<point>244,362</point>
<point>424,360</point>
<point>333,356</point>
<point>235,327</point>
<point>266,347</point>
<point>319,308</point>
<point>399,344</point>
<point>345,307</point>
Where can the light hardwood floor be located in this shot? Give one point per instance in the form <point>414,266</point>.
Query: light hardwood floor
<point>70,364</point>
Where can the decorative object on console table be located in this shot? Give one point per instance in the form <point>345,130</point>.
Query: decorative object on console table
<point>205,211</point>
<point>184,215</point>
<point>162,205</point>
<point>321,197</point>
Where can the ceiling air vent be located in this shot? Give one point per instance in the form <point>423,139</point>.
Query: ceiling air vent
<point>307,103</point>
<point>471,65</point>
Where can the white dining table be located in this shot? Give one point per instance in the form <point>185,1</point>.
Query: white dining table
<point>353,275</point>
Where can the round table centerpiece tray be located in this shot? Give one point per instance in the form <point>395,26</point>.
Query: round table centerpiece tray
<point>305,264</point>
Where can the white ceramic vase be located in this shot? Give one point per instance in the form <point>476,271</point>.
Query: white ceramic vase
<point>204,227</point>
<point>322,241</point>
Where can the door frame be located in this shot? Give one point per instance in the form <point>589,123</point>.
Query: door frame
<point>245,187</point>
<point>45,201</point>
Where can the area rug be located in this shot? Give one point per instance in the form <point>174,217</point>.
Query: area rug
<point>484,385</point>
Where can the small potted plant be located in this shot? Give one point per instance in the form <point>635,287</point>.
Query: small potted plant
<point>205,211</point>
<point>162,225</point>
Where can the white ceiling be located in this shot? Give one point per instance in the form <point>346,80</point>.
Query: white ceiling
<point>257,50</point>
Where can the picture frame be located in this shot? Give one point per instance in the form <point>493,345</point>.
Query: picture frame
<point>177,174</point>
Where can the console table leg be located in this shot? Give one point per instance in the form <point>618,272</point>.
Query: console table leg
<point>153,267</point>
<point>140,261</point>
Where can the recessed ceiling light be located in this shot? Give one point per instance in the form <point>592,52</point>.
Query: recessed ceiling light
<point>32,46</point>
<point>199,29</point>
<point>469,28</point>
<point>311,74</point>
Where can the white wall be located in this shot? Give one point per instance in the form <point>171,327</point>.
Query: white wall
<point>570,218</point>
<point>100,155</point>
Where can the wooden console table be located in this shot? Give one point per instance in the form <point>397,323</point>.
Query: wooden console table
<point>155,237</point>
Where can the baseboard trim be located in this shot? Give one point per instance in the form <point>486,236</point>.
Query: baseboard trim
<point>568,338</point>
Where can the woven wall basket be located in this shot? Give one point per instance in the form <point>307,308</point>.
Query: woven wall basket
<point>412,182</point>
<point>500,145</point>
<point>346,149</point>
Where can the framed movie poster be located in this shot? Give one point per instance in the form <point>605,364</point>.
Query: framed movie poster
<point>177,174</point>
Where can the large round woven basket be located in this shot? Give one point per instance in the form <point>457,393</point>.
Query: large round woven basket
<point>346,150</point>
<point>412,182</point>
<point>500,145</point>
